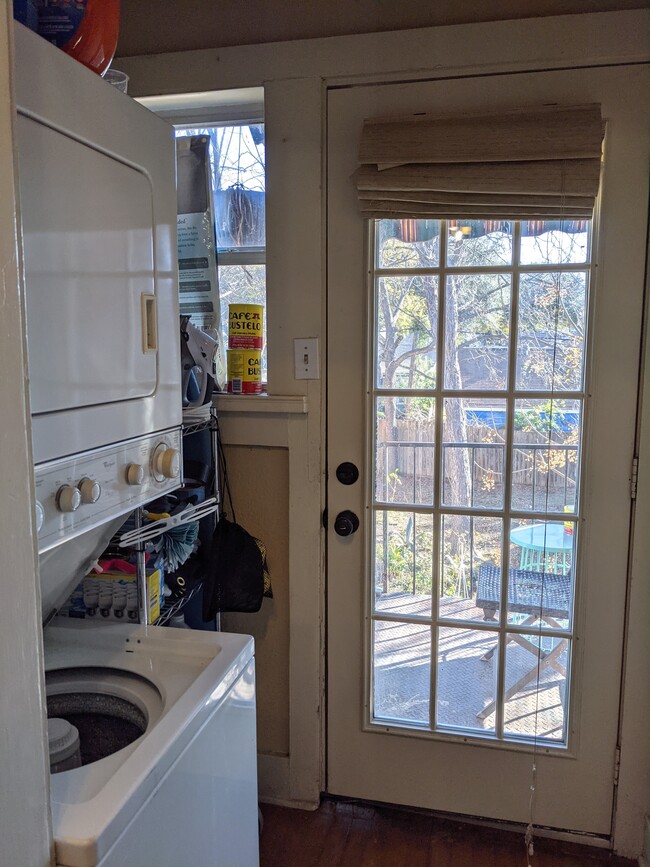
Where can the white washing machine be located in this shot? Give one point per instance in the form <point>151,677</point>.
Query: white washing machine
<point>183,793</point>
<point>166,717</point>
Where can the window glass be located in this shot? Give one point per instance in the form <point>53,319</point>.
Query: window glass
<point>554,242</point>
<point>237,160</point>
<point>407,331</point>
<point>237,163</point>
<point>551,330</point>
<point>478,393</point>
<point>408,243</point>
<point>476,243</point>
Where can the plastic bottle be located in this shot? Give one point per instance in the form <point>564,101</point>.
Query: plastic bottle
<point>25,12</point>
<point>85,29</point>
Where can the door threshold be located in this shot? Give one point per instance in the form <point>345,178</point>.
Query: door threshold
<point>582,839</point>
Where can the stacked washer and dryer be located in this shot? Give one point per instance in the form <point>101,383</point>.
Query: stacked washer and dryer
<point>166,718</point>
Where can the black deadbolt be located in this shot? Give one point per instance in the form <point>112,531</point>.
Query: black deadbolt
<point>346,523</point>
<point>347,473</point>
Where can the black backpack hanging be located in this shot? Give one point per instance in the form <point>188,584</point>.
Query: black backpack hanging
<point>236,574</point>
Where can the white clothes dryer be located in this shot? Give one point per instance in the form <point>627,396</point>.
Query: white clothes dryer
<point>167,729</point>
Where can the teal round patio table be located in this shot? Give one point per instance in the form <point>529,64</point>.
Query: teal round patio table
<point>545,547</point>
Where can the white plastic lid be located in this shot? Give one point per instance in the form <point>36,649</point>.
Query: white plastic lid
<point>63,739</point>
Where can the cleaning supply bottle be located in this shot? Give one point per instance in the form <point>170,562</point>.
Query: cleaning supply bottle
<point>25,12</point>
<point>85,29</point>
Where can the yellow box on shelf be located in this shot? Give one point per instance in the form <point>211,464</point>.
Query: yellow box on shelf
<point>114,596</point>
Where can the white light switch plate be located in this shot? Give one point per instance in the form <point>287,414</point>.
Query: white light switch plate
<point>305,354</point>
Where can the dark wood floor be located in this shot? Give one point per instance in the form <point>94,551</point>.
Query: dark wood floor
<point>347,834</point>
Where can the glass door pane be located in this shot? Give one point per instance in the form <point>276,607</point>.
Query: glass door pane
<point>476,479</point>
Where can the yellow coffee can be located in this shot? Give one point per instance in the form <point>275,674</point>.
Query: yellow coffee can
<point>244,371</point>
<point>245,326</point>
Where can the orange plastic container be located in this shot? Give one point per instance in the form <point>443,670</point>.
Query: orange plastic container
<point>85,29</point>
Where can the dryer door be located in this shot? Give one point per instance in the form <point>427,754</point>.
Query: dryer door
<point>89,272</point>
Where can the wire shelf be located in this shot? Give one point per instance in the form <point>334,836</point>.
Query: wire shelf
<point>208,423</point>
<point>176,607</point>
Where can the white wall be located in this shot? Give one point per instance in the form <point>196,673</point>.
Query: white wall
<point>25,837</point>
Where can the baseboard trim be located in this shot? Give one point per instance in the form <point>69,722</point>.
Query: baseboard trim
<point>292,805</point>
<point>273,786</point>
<point>273,779</point>
<point>580,838</point>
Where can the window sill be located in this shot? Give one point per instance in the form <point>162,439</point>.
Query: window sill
<point>261,404</point>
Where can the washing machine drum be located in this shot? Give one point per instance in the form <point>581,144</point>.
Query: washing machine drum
<point>110,708</point>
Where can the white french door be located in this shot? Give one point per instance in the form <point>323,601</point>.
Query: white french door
<point>482,377</point>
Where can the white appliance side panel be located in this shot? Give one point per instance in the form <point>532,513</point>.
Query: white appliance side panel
<point>88,251</point>
<point>204,812</point>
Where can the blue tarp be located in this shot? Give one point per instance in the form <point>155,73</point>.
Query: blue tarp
<point>496,418</point>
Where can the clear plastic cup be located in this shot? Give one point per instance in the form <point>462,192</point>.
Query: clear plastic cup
<point>118,79</point>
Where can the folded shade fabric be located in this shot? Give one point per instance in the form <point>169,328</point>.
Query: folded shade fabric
<point>536,162</point>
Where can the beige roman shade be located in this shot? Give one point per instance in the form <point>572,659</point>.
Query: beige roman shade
<point>532,163</point>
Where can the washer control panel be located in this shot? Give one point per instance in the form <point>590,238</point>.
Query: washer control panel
<point>78,493</point>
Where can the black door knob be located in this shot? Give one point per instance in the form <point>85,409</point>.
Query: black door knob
<point>346,523</point>
<point>347,473</point>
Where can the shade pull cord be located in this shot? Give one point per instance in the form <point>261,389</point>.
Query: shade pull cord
<point>530,831</point>
<point>530,828</point>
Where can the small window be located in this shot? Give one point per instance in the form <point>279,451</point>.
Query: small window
<point>237,161</point>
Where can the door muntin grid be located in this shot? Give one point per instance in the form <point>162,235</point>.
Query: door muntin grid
<point>458,560</point>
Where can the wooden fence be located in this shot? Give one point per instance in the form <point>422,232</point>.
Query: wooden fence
<point>535,463</point>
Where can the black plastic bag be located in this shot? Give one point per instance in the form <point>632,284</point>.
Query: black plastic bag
<point>234,571</point>
<point>235,568</point>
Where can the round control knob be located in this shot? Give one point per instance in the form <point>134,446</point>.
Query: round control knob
<point>90,490</point>
<point>346,523</point>
<point>167,462</point>
<point>68,499</point>
<point>135,474</point>
<point>40,515</point>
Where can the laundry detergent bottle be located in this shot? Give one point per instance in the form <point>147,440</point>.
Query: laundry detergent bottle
<point>85,29</point>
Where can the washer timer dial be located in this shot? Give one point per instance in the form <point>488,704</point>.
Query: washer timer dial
<point>166,462</point>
